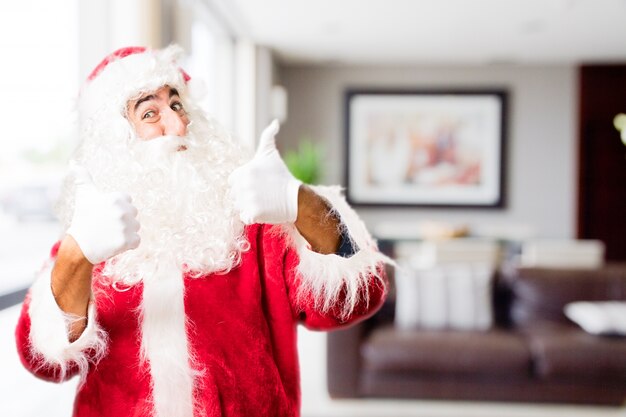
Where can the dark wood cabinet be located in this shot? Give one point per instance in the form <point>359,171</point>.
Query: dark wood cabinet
<point>602,158</point>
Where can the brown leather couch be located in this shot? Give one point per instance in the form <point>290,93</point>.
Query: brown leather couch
<point>533,352</point>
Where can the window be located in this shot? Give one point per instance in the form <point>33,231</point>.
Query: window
<point>39,131</point>
<point>39,41</point>
<point>211,60</point>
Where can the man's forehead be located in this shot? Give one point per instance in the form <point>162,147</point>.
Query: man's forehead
<point>165,90</point>
<point>150,95</point>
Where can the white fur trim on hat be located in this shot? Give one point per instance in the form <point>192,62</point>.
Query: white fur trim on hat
<point>50,328</point>
<point>127,77</point>
<point>325,277</point>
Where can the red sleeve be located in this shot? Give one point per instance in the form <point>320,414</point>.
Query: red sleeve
<point>309,311</point>
<point>41,333</point>
<point>32,362</point>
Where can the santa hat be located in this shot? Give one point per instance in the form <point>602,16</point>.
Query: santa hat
<point>127,73</point>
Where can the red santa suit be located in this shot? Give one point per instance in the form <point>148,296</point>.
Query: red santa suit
<point>238,344</point>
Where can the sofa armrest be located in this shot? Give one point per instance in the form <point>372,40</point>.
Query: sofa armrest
<point>343,346</point>
<point>344,361</point>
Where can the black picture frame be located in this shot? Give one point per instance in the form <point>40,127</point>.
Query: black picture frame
<point>425,148</point>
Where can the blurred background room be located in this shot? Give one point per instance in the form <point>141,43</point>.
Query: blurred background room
<point>483,142</point>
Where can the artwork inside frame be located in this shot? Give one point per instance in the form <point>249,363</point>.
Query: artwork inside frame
<point>425,148</point>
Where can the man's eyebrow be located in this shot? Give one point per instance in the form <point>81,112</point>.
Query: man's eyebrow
<point>141,100</point>
<point>173,92</point>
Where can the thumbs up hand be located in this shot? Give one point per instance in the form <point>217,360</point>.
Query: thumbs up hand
<point>263,189</point>
<point>103,224</point>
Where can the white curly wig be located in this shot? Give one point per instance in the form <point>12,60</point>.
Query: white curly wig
<point>182,197</point>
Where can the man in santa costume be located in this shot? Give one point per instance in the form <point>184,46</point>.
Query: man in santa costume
<point>185,266</point>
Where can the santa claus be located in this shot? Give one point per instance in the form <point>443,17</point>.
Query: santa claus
<point>185,265</point>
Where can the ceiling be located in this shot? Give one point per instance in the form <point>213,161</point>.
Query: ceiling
<point>391,32</point>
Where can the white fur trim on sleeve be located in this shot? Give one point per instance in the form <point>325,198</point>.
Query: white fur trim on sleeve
<point>328,277</point>
<point>49,331</point>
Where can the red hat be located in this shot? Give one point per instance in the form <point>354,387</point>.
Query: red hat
<point>127,73</point>
<point>119,54</point>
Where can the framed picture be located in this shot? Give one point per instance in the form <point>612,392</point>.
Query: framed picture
<point>425,148</point>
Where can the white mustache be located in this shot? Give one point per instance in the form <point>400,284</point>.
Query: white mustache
<point>160,147</point>
<point>167,143</point>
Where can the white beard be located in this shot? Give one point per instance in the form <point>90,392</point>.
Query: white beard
<point>185,210</point>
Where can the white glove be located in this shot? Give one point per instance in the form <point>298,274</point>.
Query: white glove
<point>104,224</point>
<point>263,189</point>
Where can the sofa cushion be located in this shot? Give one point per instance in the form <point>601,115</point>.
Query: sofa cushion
<point>541,294</point>
<point>452,296</point>
<point>446,351</point>
<point>568,353</point>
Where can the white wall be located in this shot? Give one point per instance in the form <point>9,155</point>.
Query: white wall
<point>106,25</point>
<point>541,141</point>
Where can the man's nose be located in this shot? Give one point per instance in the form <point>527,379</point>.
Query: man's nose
<point>173,123</point>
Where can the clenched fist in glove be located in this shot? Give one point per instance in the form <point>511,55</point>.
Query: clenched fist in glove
<point>104,224</point>
<point>263,189</point>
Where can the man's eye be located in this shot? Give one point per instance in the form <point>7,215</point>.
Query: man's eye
<point>177,106</point>
<point>148,115</point>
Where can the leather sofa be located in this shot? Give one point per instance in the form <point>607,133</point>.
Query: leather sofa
<point>533,353</point>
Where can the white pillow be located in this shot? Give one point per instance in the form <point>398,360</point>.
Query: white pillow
<point>602,317</point>
<point>444,297</point>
